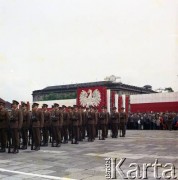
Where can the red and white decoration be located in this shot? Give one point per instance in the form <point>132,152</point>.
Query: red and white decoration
<point>157,102</point>
<point>95,96</point>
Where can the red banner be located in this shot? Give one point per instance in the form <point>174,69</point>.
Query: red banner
<point>95,96</point>
<point>120,103</point>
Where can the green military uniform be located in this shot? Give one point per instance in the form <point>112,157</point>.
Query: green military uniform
<point>16,120</point>
<point>37,120</point>
<point>47,124</point>
<point>25,126</point>
<point>4,119</point>
<point>56,124</point>
<point>91,122</point>
<point>122,122</point>
<point>114,120</point>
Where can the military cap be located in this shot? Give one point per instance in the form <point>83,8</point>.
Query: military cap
<point>15,102</point>
<point>56,105</point>
<point>44,105</point>
<point>35,104</point>
<point>75,106</point>
<point>23,104</point>
<point>63,106</point>
<point>2,102</point>
<point>114,108</point>
<point>69,107</point>
<point>90,106</point>
<point>122,108</point>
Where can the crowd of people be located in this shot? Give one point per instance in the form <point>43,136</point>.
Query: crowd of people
<point>42,126</point>
<point>153,121</point>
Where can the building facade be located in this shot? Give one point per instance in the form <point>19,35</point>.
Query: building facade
<point>102,93</point>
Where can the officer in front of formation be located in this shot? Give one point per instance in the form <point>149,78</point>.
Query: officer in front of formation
<point>114,120</point>
<point>25,125</point>
<point>37,122</point>
<point>16,120</point>
<point>4,120</point>
<point>47,124</point>
<point>122,122</point>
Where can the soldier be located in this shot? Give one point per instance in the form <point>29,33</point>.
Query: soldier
<point>102,120</point>
<point>90,118</point>
<point>107,121</point>
<point>25,125</point>
<point>80,123</point>
<point>70,122</point>
<point>75,121</point>
<point>65,124</point>
<point>114,119</point>
<point>96,122</point>
<point>16,120</point>
<point>83,122</point>
<point>122,122</point>
<point>37,121</point>
<point>56,123</point>
<point>47,124</point>
<point>4,120</point>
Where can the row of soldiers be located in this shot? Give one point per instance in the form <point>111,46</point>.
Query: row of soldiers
<point>60,123</point>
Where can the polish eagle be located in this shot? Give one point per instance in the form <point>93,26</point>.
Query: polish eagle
<point>88,98</point>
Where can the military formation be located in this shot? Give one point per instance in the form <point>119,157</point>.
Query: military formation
<point>20,128</point>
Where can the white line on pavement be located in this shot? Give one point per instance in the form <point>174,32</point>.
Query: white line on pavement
<point>35,175</point>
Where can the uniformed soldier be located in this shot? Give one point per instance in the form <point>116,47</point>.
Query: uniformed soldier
<point>4,121</point>
<point>96,122</point>
<point>37,121</point>
<point>65,124</point>
<point>102,120</point>
<point>83,122</point>
<point>107,121</point>
<point>122,122</point>
<point>91,121</point>
<point>80,123</point>
<point>47,124</point>
<point>70,111</point>
<point>16,120</point>
<point>25,125</point>
<point>56,124</point>
<point>114,119</point>
<point>75,121</point>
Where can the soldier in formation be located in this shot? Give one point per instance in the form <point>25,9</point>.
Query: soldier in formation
<point>42,126</point>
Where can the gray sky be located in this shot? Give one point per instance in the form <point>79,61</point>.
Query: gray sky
<point>53,42</point>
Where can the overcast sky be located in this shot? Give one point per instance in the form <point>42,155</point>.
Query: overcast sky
<point>53,42</point>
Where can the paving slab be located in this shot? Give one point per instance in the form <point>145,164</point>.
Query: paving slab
<point>86,161</point>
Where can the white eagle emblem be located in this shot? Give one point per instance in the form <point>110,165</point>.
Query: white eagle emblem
<point>90,98</point>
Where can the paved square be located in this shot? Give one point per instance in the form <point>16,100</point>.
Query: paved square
<point>86,161</point>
